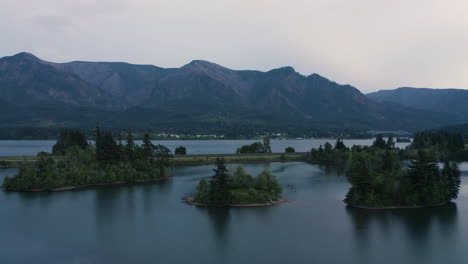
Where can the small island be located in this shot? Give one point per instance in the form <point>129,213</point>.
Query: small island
<point>380,181</point>
<point>76,164</point>
<point>237,190</point>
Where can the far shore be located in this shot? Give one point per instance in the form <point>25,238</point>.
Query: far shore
<point>395,207</point>
<point>189,201</point>
<point>88,186</point>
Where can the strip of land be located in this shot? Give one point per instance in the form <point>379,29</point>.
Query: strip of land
<point>183,160</point>
<point>87,186</point>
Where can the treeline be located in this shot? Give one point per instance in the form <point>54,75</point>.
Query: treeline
<point>379,179</point>
<point>337,154</point>
<point>440,145</point>
<point>109,161</point>
<point>439,139</point>
<point>224,189</point>
<point>256,147</point>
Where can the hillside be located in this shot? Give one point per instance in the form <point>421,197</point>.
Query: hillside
<point>199,95</point>
<point>451,101</point>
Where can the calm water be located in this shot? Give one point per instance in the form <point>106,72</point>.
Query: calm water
<point>150,224</point>
<point>32,147</point>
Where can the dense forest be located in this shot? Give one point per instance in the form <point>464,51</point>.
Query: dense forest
<point>440,145</point>
<point>224,189</point>
<point>80,164</point>
<point>379,179</point>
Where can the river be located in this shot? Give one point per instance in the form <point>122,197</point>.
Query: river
<point>149,224</point>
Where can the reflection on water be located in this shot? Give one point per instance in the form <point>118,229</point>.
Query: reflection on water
<point>418,225</point>
<point>148,223</point>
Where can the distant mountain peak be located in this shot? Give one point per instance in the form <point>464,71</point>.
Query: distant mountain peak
<point>203,64</point>
<point>25,56</point>
<point>285,69</point>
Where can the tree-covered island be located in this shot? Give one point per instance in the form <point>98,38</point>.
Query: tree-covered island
<point>380,179</point>
<point>237,190</point>
<point>81,164</point>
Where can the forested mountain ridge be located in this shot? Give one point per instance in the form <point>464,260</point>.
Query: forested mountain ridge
<point>451,101</point>
<point>200,94</point>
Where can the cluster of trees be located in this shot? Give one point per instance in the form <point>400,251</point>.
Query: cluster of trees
<point>181,150</point>
<point>441,140</point>
<point>380,142</point>
<point>378,179</point>
<point>224,189</point>
<point>439,145</point>
<point>337,154</point>
<point>256,147</point>
<point>109,161</point>
<point>289,150</point>
<point>67,139</point>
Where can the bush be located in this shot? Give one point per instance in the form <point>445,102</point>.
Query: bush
<point>289,150</point>
<point>181,150</point>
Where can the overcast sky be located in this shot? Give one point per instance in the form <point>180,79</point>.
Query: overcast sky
<point>371,44</point>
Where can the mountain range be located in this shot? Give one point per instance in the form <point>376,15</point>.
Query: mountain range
<point>205,95</point>
<point>450,101</point>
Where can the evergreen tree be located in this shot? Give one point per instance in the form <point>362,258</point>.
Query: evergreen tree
<point>289,150</point>
<point>130,146</point>
<point>147,147</point>
<point>451,174</point>
<point>379,142</point>
<point>181,150</point>
<point>360,176</point>
<point>98,137</point>
<point>266,145</point>
<point>163,155</point>
<point>69,138</point>
<point>423,174</point>
<point>108,149</point>
<point>339,145</point>
<point>390,142</point>
<point>219,185</point>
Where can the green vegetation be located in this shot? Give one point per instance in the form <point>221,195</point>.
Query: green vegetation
<point>240,188</point>
<point>211,159</point>
<point>256,147</point>
<point>289,150</point>
<point>69,138</point>
<point>439,145</point>
<point>438,139</point>
<point>329,154</point>
<point>181,150</point>
<point>403,140</point>
<point>108,162</point>
<point>378,180</point>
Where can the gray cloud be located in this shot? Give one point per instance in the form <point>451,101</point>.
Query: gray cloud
<point>371,44</point>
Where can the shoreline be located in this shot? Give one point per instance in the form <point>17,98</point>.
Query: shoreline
<point>189,201</point>
<point>88,186</point>
<point>181,164</point>
<point>394,207</point>
<point>185,160</point>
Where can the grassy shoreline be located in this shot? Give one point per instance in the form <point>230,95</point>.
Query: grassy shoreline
<point>184,160</point>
